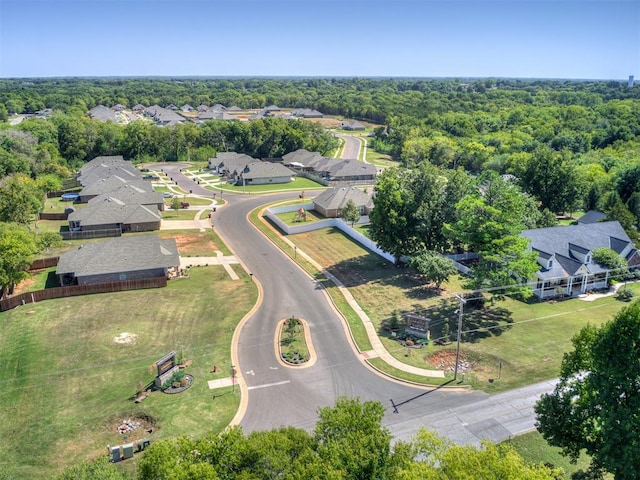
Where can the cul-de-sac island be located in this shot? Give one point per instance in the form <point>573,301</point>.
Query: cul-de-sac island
<point>319,278</point>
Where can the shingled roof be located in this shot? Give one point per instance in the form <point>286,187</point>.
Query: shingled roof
<point>122,254</point>
<point>337,197</point>
<point>112,211</point>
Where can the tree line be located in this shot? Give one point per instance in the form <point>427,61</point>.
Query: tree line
<point>348,442</point>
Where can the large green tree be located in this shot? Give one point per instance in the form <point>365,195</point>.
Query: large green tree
<point>18,247</point>
<point>434,267</point>
<point>595,404</point>
<point>20,199</point>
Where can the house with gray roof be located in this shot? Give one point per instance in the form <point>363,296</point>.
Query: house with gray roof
<point>133,193</point>
<point>113,214</point>
<point>108,185</point>
<point>331,202</point>
<point>103,114</point>
<point>215,115</point>
<point>565,256</point>
<point>260,173</point>
<point>592,216</point>
<point>96,173</point>
<point>352,125</point>
<point>352,171</point>
<point>306,113</point>
<point>230,164</point>
<point>119,259</point>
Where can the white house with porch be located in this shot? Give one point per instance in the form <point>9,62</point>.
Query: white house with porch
<point>565,256</point>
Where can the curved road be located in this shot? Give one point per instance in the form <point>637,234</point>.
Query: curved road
<point>289,396</point>
<point>351,148</point>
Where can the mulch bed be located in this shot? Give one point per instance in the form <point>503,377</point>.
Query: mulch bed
<point>189,381</point>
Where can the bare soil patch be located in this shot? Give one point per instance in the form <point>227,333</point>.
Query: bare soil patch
<point>125,338</point>
<point>24,286</point>
<point>446,360</point>
<point>194,243</point>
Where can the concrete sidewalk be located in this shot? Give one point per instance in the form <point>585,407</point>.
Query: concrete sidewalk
<point>378,348</point>
<point>219,259</point>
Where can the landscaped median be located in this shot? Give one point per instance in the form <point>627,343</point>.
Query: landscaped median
<point>293,343</point>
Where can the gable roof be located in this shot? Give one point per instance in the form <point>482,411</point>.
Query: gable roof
<point>102,114</point>
<point>352,168</point>
<point>232,162</point>
<point>592,216</point>
<point>111,210</point>
<point>110,184</point>
<point>568,243</point>
<point>337,197</point>
<point>260,169</point>
<point>135,193</point>
<point>121,254</point>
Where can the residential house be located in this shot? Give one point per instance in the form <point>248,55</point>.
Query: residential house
<point>133,193</point>
<point>118,259</point>
<point>230,164</point>
<point>103,114</point>
<point>565,256</point>
<point>352,171</point>
<point>186,108</point>
<point>259,173</point>
<point>352,125</point>
<point>108,185</point>
<point>113,214</point>
<point>331,202</point>
<point>306,113</point>
<point>592,216</point>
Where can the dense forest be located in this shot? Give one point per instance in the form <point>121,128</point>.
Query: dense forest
<point>572,145</point>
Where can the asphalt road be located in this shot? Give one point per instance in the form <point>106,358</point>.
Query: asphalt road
<point>351,148</point>
<point>288,396</point>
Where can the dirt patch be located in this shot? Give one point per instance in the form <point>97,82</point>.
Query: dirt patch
<point>125,338</point>
<point>24,286</point>
<point>194,243</point>
<point>446,360</point>
<point>136,425</point>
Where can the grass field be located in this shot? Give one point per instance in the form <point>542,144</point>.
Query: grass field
<point>507,345</point>
<point>180,214</point>
<point>534,449</point>
<point>67,383</point>
<point>291,218</point>
<point>299,183</point>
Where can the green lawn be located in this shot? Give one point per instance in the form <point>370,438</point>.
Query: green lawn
<point>300,183</point>
<point>180,214</point>
<point>534,449</point>
<point>67,384</point>
<point>291,218</point>
<point>527,339</point>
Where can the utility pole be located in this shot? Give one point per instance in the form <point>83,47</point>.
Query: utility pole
<point>460,312</point>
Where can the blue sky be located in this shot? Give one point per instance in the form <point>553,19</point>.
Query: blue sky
<point>422,38</point>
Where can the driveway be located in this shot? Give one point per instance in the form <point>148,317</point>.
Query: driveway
<point>351,148</point>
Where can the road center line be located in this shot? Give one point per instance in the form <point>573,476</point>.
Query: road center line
<point>268,385</point>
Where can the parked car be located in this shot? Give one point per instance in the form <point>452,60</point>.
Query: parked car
<point>167,195</point>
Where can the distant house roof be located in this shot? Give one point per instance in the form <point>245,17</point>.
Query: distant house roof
<point>592,216</point>
<point>186,108</point>
<point>103,114</point>
<point>112,211</point>
<point>118,107</point>
<point>110,184</point>
<point>337,197</point>
<point>272,108</point>
<point>232,162</point>
<point>352,168</point>
<point>301,156</point>
<point>99,172</point>
<point>132,193</point>
<point>306,113</point>
<point>202,108</point>
<point>570,244</point>
<point>122,254</point>
<point>260,169</point>
<point>234,108</point>
<point>215,115</point>
<point>103,160</point>
<point>353,125</point>
<point>138,108</point>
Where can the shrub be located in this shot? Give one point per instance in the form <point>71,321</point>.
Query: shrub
<point>625,294</point>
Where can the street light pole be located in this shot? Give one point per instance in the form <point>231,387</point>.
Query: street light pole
<point>459,336</point>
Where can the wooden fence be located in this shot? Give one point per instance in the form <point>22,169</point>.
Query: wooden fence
<point>42,263</point>
<point>53,216</point>
<point>75,290</point>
